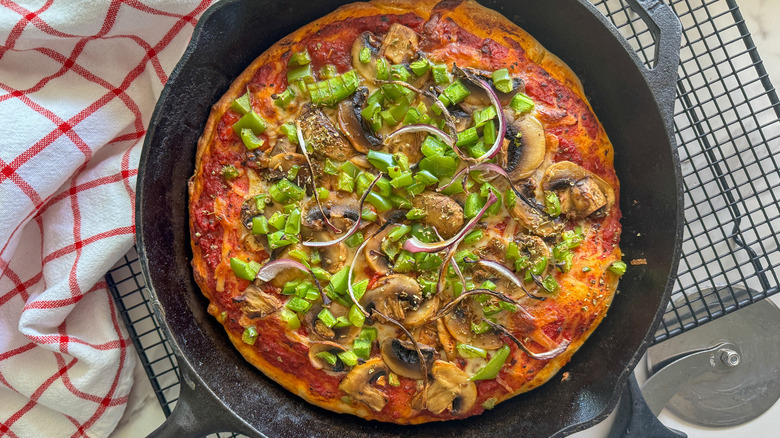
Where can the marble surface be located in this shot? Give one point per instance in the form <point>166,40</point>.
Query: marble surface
<point>144,414</point>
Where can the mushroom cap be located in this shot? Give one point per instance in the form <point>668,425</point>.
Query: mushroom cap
<point>581,191</point>
<point>399,44</point>
<point>370,41</point>
<point>255,303</point>
<point>402,358</point>
<point>320,364</point>
<point>398,296</point>
<point>458,323</point>
<point>358,383</point>
<point>451,389</point>
<point>441,212</point>
<point>526,153</point>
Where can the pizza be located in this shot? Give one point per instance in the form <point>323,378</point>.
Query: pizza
<point>406,211</point>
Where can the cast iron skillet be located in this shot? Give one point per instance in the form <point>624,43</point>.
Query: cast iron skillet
<point>222,392</point>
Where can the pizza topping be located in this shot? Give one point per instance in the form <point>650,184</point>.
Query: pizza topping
<point>255,303</point>
<point>402,358</point>
<point>580,191</point>
<point>358,383</point>
<point>526,148</point>
<point>400,44</point>
<point>441,212</point>
<point>451,389</point>
<point>350,122</point>
<point>323,137</point>
<point>328,356</point>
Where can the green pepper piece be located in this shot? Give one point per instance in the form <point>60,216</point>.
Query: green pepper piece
<point>259,225</point>
<point>415,213</point>
<point>404,263</point>
<point>368,214</point>
<point>299,58</point>
<point>469,351</point>
<point>473,236</point>
<point>455,93</point>
<point>348,357</point>
<point>362,348</point>
<point>550,284</point>
<point>355,316</point>
<point>365,55</point>
<point>250,120</point>
<point>502,81</point>
<point>298,305</point>
<point>327,318</point>
<point>552,204</point>
<point>426,178</point>
<point>494,365</point>
<point>250,335</point>
<point>290,317</point>
<point>473,205</point>
<point>618,267</point>
<point>467,137</point>
<point>354,240</point>
<point>398,72</point>
<point>420,67</point>
<point>482,116</point>
<point>302,73</point>
<point>283,99</point>
<point>338,281</point>
<point>441,166</point>
<point>382,70</point>
<point>381,203</point>
<point>345,182</point>
<point>440,74</point>
<point>245,270</point>
<point>328,357</point>
<point>521,103</point>
<point>293,225</point>
<point>242,105</point>
<point>381,160</point>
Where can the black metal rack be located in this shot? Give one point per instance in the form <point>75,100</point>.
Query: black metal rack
<point>727,123</point>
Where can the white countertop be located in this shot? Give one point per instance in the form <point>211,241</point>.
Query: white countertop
<point>144,414</point>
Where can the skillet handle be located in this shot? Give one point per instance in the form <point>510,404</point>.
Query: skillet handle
<point>667,32</point>
<point>198,412</point>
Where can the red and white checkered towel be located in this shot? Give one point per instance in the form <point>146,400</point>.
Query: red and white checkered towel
<point>78,83</point>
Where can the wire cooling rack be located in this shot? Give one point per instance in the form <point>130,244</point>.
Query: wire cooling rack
<point>727,127</point>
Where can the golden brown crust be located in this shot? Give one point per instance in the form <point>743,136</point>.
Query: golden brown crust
<point>585,295</point>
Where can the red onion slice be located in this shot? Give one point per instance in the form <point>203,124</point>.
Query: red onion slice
<point>302,144</point>
<point>414,245</point>
<point>270,270</point>
<point>354,227</point>
<point>506,272</point>
<point>352,269</point>
<point>425,128</point>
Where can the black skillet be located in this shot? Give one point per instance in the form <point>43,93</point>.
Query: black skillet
<point>222,392</point>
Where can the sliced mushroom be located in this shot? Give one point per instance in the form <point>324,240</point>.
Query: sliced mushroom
<point>402,358</point>
<point>323,137</point>
<point>580,191</point>
<point>400,44</point>
<point>358,383</point>
<point>248,211</point>
<point>458,323</point>
<point>534,221</point>
<point>536,248</point>
<point>441,212</point>
<point>368,41</point>
<point>451,389</point>
<point>321,332</point>
<point>353,125</point>
<point>525,149</point>
<point>375,258</point>
<point>398,296</point>
<point>321,364</point>
<point>286,160</point>
<point>408,144</point>
<point>334,257</point>
<point>255,303</point>
<point>446,340</point>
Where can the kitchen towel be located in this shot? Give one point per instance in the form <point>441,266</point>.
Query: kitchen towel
<point>78,84</point>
